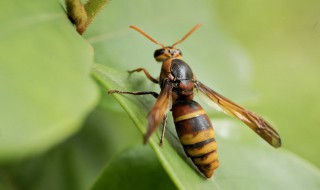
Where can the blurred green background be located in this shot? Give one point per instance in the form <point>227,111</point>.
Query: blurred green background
<point>283,40</point>
<point>57,133</point>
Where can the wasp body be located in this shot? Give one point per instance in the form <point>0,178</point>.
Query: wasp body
<point>193,126</point>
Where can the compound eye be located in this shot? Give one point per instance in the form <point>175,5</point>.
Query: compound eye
<point>158,52</point>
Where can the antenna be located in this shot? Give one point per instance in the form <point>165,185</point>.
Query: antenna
<point>187,35</point>
<point>146,35</point>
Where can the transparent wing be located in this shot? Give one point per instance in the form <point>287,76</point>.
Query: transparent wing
<point>159,109</point>
<point>255,122</point>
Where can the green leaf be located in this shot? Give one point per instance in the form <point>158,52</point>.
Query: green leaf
<point>75,163</point>
<point>46,90</point>
<point>139,167</point>
<point>244,165</point>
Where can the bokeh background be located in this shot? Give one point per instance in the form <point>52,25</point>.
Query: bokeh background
<point>283,40</point>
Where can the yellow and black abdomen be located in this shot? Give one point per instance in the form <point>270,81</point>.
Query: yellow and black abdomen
<point>196,134</point>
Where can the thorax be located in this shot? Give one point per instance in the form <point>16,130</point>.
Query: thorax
<point>180,74</point>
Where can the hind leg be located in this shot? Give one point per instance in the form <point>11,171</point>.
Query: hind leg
<point>164,125</point>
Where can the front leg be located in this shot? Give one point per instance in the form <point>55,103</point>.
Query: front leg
<point>154,94</point>
<point>146,73</point>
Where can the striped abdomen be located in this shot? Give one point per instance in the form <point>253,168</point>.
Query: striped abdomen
<point>196,134</point>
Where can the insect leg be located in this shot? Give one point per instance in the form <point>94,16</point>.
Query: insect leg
<point>146,73</point>
<point>164,124</point>
<point>154,94</point>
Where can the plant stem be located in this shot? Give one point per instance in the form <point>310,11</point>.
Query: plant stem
<point>77,14</point>
<point>82,15</point>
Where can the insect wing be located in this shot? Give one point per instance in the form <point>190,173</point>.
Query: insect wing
<point>159,110</point>
<point>256,123</point>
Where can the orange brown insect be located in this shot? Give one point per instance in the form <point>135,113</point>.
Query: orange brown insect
<point>193,126</point>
